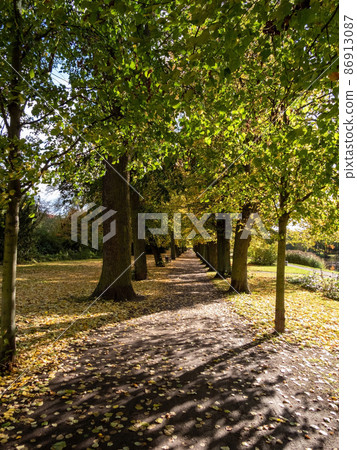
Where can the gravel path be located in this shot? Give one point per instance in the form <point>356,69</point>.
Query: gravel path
<point>191,376</point>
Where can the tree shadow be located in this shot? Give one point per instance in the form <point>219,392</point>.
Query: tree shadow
<point>168,390</point>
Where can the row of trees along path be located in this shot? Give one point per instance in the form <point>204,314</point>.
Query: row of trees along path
<point>228,105</point>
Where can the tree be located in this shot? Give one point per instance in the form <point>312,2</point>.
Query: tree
<point>115,280</point>
<point>223,250</point>
<point>30,47</point>
<point>301,178</point>
<point>140,264</point>
<point>239,279</point>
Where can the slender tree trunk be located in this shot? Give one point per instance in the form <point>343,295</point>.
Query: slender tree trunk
<point>140,265</point>
<point>223,250</point>
<point>172,246</point>
<point>8,303</point>
<point>177,251</point>
<point>159,262</point>
<point>280,275</point>
<point>209,251</point>
<point>227,257</point>
<point>115,280</point>
<point>205,254</point>
<point>212,254</point>
<point>239,280</point>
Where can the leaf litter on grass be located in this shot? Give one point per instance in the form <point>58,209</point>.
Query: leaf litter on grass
<point>311,318</point>
<point>51,299</point>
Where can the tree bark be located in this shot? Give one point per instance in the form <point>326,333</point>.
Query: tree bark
<point>280,275</point>
<point>223,250</point>
<point>227,257</point>
<point>172,246</point>
<point>115,280</point>
<point>205,254</point>
<point>140,264</point>
<point>239,280</point>
<point>8,303</point>
<point>212,254</point>
<point>159,262</point>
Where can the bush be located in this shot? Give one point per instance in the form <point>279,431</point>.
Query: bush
<point>317,282</point>
<point>305,259</point>
<point>262,254</point>
<point>67,255</point>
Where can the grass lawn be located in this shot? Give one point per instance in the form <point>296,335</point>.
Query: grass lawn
<point>51,315</point>
<point>311,318</point>
<point>272,269</point>
<point>314,268</point>
<point>288,269</point>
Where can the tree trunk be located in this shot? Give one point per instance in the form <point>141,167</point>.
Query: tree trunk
<point>239,280</point>
<point>140,264</point>
<point>8,303</point>
<point>223,250</point>
<point>212,255</point>
<point>280,275</point>
<point>227,257</point>
<point>205,254</point>
<point>159,262</point>
<point>172,246</point>
<point>115,280</point>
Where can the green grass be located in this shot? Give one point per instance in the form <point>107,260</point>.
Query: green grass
<point>314,268</point>
<point>272,269</point>
<point>288,269</point>
<point>311,318</point>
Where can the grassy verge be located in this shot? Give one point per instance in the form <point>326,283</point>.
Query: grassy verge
<point>311,318</point>
<point>272,269</point>
<point>52,315</point>
<point>313,268</point>
<point>299,269</point>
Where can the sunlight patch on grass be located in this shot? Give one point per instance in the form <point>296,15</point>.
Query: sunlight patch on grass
<point>311,318</point>
<point>272,269</point>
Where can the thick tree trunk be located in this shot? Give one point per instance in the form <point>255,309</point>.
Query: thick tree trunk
<point>172,246</point>
<point>115,280</point>
<point>223,251</point>
<point>280,276</point>
<point>239,280</point>
<point>140,264</point>
<point>159,262</point>
<point>8,303</point>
